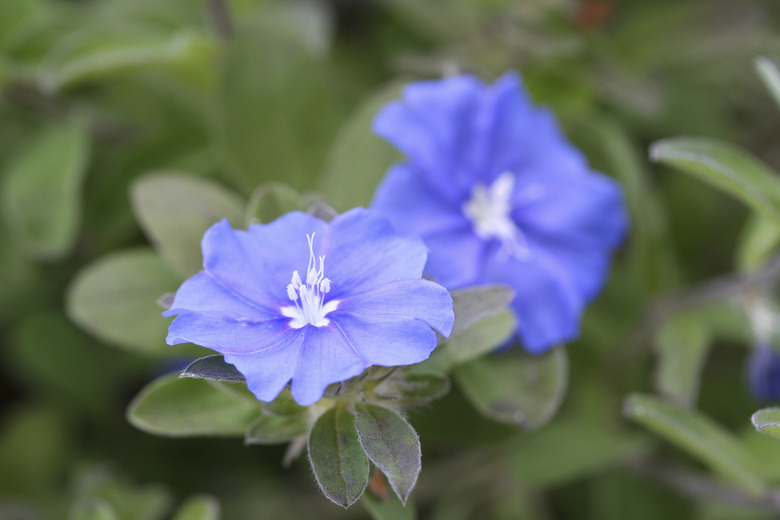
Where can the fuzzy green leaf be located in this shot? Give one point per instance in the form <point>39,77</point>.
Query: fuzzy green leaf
<point>725,167</point>
<point>115,299</point>
<point>186,407</point>
<point>40,193</point>
<point>412,388</point>
<point>479,339</point>
<point>473,304</point>
<point>391,444</point>
<point>758,241</point>
<point>339,463</point>
<point>517,389</point>
<point>279,108</point>
<point>699,436</point>
<point>681,345</point>
<point>175,209</point>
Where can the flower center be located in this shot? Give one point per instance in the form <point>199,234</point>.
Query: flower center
<point>489,210</point>
<point>309,308</point>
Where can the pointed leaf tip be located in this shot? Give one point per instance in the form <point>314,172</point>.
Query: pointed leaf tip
<point>339,463</point>
<point>392,445</point>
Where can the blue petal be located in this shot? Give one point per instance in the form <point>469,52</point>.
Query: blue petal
<point>227,334</point>
<point>508,128</point>
<point>456,258</point>
<point>586,209</point>
<point>418,299</point>
<point>364,252</point>
<point>432,125</point>
<point>413,205</point>
<point>544,152</point>
<point>202,293</point>
<point>268,372</point>
<point>585,267</point>
<point>387,340</point>
<point>547,307</point>
<point>258,264</point>
<point>324,359</point>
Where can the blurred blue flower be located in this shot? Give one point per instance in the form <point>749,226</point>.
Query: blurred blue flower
<point>269,303</point>
<point>500,196</point>
<point>763,371</point>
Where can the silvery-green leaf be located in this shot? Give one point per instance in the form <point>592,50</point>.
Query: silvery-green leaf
<point>391,444</point>
<point>337,459</point>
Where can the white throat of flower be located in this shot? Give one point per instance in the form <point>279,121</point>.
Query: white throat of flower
<point>489,210</point>
<point>308,297</point>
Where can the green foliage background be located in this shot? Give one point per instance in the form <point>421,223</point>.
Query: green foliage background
<point>129,126</point>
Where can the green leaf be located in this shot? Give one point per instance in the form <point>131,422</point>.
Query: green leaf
<point>725,167</point>
<point>570,448</point>
<point>473,304</point>
<point>115,298</point>
<point>185,407</point>
<point>758,241</point>
<point>414,388</point>
<point>681,346</point>
<point>699,436</point>
<point>98,51</point>
<point>767,421</point>
<point>271,200</point>
<point>176,209</point>
<point>201,507</point>
<point>214,368</point>
<point>40,194</point>
<point>387,508</point>
<point>94,509</point>
<point>274,429</point>
<point>359,159</point>
<point>516,388</point>
<point>391,444</point>
<point>339,463</point>
<point>769,74</point>
<point>278,108</point>
<point>477,340</point>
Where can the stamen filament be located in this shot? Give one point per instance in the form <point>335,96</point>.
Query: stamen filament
<point>311,309</point>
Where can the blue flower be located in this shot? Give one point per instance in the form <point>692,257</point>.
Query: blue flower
<point>763,373</point>
<point>500,196</point>
<point>268,301</point>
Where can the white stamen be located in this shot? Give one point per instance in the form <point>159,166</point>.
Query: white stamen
<point>311,310</point>
<point>490,208</point>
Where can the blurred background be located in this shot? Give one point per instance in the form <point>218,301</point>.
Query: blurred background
<point>117,117</point>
